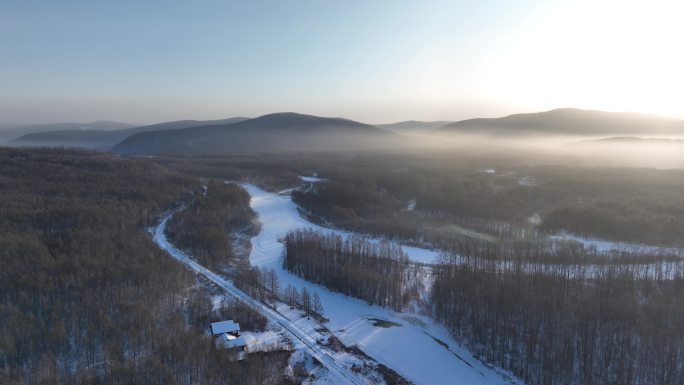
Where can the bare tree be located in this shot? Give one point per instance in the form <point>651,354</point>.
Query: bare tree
<point>306,301</point>
<point>274,285</point>
<point>316,305</point>
<point>379,273</point>
<point>291,295</point>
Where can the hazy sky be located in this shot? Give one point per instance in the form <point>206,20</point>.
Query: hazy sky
<point>377,61</point>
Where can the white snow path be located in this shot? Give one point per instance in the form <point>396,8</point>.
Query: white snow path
<point>410,349</point>
<point>341,374</point>
<point>311,179</point>
<point>605,245</point>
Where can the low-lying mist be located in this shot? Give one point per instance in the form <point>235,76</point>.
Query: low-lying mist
<point>663,153</point>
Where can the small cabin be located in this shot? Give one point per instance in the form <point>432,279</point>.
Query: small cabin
<point>230,327</point>
<point>229,341</point>
<point>229,335</point>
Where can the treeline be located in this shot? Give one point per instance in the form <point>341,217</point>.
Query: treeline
<point>548,328</point>
<point>264,284</point>
<point>356,207</point>
<point>360,208</point>
<point>201,311</point>
<point>87,298</point>
<point>379,273</point>
<point>621,221</point>
<point>370,194</point>
<point>204,228</point>
<point>555,252</point>
<point>274,172</point>
<point>624,204</point>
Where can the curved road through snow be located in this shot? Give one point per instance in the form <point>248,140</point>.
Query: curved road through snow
<point>341,374</point>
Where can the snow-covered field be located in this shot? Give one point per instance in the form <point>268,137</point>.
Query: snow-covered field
<point>412,347</point>
<point>284,216</point>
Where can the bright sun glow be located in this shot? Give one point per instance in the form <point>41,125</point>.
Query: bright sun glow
<point>610,55</point>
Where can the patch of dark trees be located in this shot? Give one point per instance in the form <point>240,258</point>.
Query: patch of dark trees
<point>612,326</point>
<point>660,224</point>
<point>560,253</point>
<point>273,172</point>
<point>356,207</point>
<point>87,297</point>
<point>370,195</point>
<point>379,273</point>
<point>204,229</point>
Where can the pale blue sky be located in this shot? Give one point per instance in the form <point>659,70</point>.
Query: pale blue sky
<point>375,61</point>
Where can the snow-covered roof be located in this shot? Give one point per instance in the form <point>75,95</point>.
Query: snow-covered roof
<point>229,341</point>
<point>225,327</point>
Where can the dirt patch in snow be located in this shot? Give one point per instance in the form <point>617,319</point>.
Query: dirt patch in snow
<point>383,323</point>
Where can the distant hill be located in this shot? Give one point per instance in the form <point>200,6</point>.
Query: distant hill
<point>568,122</point>
<point>11,131</point>
<point>412,126</point>
<point>274,132</point>
<point>628,151</point>
<point>104,139</point>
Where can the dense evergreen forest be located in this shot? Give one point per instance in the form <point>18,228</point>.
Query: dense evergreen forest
<point>204,229</point>
<point>87,298</point>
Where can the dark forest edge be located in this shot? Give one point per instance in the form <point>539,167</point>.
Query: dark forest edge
<point>378,273</point>
<point>206,228</point>
<point>87,296</point>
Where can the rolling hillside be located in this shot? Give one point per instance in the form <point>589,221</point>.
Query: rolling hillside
<point>274,132</point>
<point>101,139</point>
<point>10,131</point>
<point>567,122</point>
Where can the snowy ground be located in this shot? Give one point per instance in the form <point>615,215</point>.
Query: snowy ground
<point>283,216</point>
<point>337,363</point>
<point>604,245</point>
<point>311,179</point>
<point>411,347</point>
<point>266,341</point>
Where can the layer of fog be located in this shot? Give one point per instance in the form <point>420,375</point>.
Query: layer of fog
<point>643,151</point>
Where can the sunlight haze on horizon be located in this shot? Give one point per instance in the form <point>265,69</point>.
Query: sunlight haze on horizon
<point>376,62</point>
